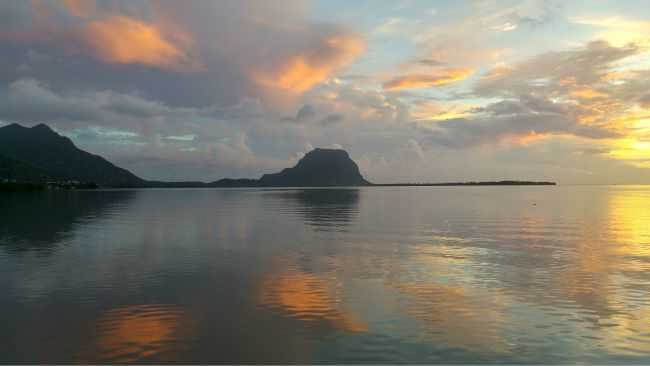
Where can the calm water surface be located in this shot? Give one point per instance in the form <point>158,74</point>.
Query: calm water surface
<point>429,274</point>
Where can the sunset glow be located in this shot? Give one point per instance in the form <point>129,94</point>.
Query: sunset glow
<point>463,81</point>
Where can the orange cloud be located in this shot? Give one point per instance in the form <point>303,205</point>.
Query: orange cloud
<point>303,71</point>
<point>109,36</point>
<point>124,40</point>
<point>586,93</point>
<point>526,139</point>
<point>419,81</point>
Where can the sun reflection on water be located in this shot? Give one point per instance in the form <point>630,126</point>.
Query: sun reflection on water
<point>629,215</point>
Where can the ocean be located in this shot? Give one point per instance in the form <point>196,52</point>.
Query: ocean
<point>538,274</point>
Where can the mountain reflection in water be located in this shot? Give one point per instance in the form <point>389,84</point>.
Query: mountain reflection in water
<point>324,209</point>
<point>39,220</point>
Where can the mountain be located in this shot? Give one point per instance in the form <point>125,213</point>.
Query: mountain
<point>16,170</point>
<point>39,154</point>
<point>43,151</point>
<point>319,167</point>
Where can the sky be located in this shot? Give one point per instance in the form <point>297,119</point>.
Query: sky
<point>415,91</point>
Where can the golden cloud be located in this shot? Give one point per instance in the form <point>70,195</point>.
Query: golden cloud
<point>618,31</point>
<point>419,81</point>
<point>124,40</point>
<point>634,147</point>
<point>299,73</point>
<point>429,111</point>
<point>632,150</point>
<point>586,93</point>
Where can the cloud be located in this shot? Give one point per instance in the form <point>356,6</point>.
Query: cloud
<point>617,30</point>
<point>358,105</point>
<point>514,122</point>
<point>431,62</point>
<point>586,93</point>
<point>418,81</point>
<point>299,73</point>
<point>595,95</point>
<point>209,89</point>
<point>124,40</point>
<point>28,101</point>
<point>151,138</point>
<point>80,8</point>
<point>196,55</point>
<point>31,101</point>
<point>644,100</point>
<point>174,159</point>
<point>332,119</point>
<point>416,148</point>
<point>505,27</point>
<point>531,14</point>
<point>554,71</point>
<point>308,114</point>
<point>305,113</point>
<point>427,110</point>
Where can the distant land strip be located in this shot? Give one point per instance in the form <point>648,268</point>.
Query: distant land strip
<point>486,183</point>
